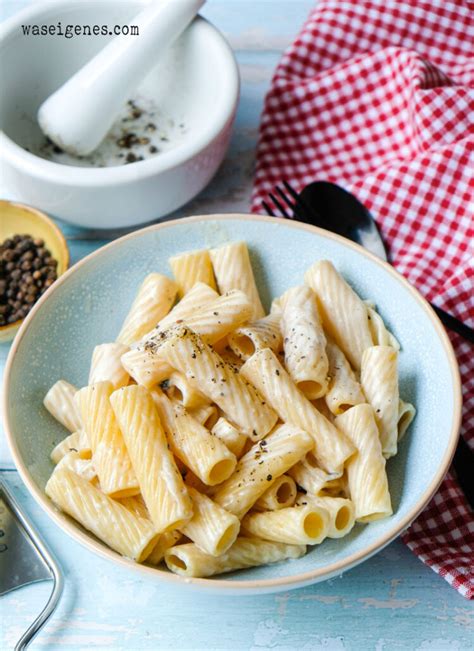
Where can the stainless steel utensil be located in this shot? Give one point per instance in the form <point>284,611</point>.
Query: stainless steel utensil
<point>25,559</point>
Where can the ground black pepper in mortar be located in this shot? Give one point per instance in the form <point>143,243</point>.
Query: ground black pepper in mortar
<point>27,269</point>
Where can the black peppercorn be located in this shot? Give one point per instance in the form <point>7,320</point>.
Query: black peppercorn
<point>27,269</point>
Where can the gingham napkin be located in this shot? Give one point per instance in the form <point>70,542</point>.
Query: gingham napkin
<point>379,97</point>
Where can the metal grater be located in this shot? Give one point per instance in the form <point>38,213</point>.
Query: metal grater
<point>25,559</point>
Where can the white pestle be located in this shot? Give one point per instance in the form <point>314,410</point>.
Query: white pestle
<point>79,114</point>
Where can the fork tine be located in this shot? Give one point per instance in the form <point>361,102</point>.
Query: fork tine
<point>291,190</point>
<point>279,205</point>
<point>286,199</point>
<point>301,208</point>
<point>267,209</point>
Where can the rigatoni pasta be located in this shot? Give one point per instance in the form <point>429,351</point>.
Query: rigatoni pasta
<point>249,434</point>
<point>340,509</point>
<point>381,336</point>
<point>406,413</point>
<point>206,455</point>
<point>281,494</point>
<point>344,314</point>
<point>109,520</point>
<point>106,365</point>
<point>266,373</point>
<point>153,301</point>
<point>264,333</point>
<point>179,389</point>
<point>195,299</point>
<point>189,560</point>
<point>185,350</point>
<point>59,401</point>
<point>192,267</point>
<point>304,342</point>
<point>109,453</point>
<point>344,391</point>
<point>379,379</point>
<point>82,467</point>
<point>75,442</point>
<point>161,485</point>
<point>233,439</point>
<point>261,466</point>
<point>296,525</point>
<point>366,473</point>
<point>212,528</point>
<point>233,270</point>
<point>145,368</point>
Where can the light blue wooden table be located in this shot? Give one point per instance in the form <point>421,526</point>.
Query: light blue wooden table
<point>390,602</point>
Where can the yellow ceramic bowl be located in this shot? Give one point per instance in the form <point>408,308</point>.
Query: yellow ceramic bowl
<point>16,218</point>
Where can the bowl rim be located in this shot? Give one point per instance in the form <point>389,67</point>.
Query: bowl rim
<point>52,172</point>
<point>257,585</point>
<point>10,328</point>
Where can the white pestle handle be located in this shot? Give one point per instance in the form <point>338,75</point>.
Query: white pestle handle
<point>78,115</point>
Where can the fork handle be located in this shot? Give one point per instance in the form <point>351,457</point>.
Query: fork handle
<point>454,324</point>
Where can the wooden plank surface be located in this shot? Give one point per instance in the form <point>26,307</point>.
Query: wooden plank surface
<point>390,602</point>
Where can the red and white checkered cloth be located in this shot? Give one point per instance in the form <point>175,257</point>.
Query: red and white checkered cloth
<point>379,97</point>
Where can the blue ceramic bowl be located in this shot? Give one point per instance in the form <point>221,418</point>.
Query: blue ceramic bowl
<point>87,305</point>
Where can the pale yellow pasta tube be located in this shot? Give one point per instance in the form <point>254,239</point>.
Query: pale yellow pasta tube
<point>107,519</point>
<point>190,479</point>
<point>165,541</point>
<point>189,560</point>
<point>264,333</point>
<point>341,513</point>
<point>265,372</point>
<point>344,391</point>
<point>83,467</point>
<point>309,476</point>
<point>212,528</point>
<point>215,320</point>
<point>261,466</point>
<point>280,495</point>
<point>228,434</point>
<point>178,388</point>
<point>207,415</point>
<point>366,474</point>
<point>304,342</point>
<point>233,270</point>
<point>343,313</point>
<point>109,452</point>
<point>191,267</point>
<point>379,380</point>
<point>76,442</point>
<point>229,357</point>
<point>161,484</point>
<point>406,413</point>
<point>195,299</point>
<point>59,401</point>
<point>296,525</point>
<point>137,505</point>
<point>380,335</point>
<point>322,407</point>
<point>241,403</point>
<point>145,367</point>
<point>106,365</point>
<point>153,301</point>
<point>206,455</point>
